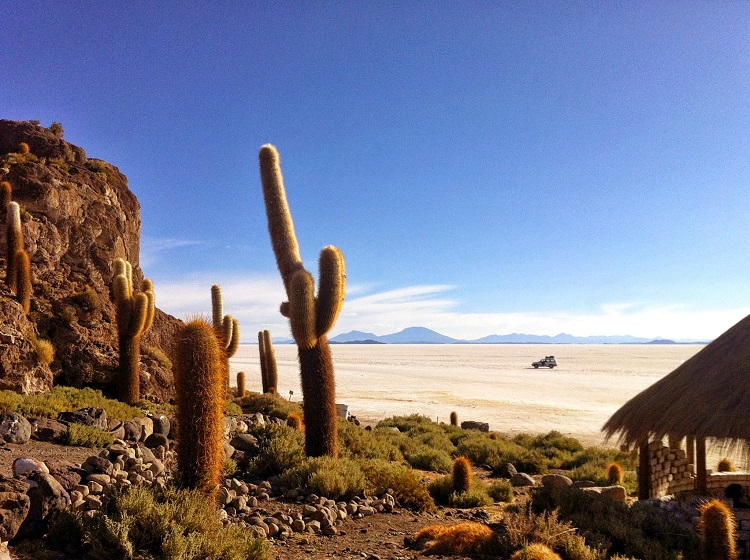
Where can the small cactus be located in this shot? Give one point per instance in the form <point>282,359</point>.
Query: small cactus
<point>200,406</point>
<point>717,531</point>
<point>240,383</point>
<point>6,193</point>
<point>725,465</point>
<point>135,315</point>
<point>454,418</point>
<point>14,243</point>
<point>461,475</point>
<point>24,148</point>
<point>268,370</point>
<point>614,473</point>
<point>294,420</point>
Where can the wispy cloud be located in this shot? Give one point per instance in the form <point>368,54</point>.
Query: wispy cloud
<point>254,300</point>
<point>152,247</point>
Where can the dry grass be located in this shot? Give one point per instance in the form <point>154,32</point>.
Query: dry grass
<point>535,551</point>
<point>463,539</point>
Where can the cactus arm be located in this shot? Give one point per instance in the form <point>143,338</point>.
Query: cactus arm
<point>302,310</point>
<point>150,310</point>
<point>217,307</point>
<point>139,313</point>
<point>234,341</point>
<point>23,279</point>
<point>123,302</point>
<point>14,243</point>
<point>262,358</point>
<point>280,223</point>
<point>331,290</point>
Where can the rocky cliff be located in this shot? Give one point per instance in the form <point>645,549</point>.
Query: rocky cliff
<point>78,216</point>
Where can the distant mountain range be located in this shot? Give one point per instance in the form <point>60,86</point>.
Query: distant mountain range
<point>422,335</point>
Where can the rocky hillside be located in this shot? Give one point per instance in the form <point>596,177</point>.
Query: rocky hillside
<point>78,216</point>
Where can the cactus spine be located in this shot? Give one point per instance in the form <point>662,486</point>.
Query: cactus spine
<point>135,315</point>
<point>717,530</point>
<point>199,373</point>
<point>461,475</point>
<point>268,371</point>
<point>310,317</point>
<point>14,243</point>
<point>240,383</point>
<point>227,330</point>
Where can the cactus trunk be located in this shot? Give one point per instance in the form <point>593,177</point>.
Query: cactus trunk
<point>319,390</point>
<point>200,406</point>
<point>23,279</point>
<point>129,369</point>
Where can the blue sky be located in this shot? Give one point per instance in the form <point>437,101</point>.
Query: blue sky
<point>486,167</point>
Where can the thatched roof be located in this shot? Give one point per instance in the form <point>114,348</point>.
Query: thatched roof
<point>708,395</point>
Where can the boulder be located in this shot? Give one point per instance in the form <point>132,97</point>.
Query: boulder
<point>48,429</point>
<point>161,424</point>
<point>24,466</point>
<point>245,442</point>
<point>14,428</point>
<point>155,440</point>
<point>616,493</point>
<point>522,479</point>
<point>92,416</point>
<point>471,425</point>
<point>68,474</point>
<point>556,482</point>
<point>14,507</point>
<point>47,498</point>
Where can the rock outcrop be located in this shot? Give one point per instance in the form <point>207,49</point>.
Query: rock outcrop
<point>78,216</point>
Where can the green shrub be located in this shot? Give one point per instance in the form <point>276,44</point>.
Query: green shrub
<point>642,530</point>
<point>157,354</point>
<point>441,490</point>
<point>404,481</point>
<point>81,435</point>
<point>337,479</point>
<point>141,523</point>
<point>270,404</point>
<point>63,399</point>
<point>88,299</point>
<point>45,352</point>
<point>281,449</point>
<point>428,459</point>
<point>356,442</point>
<point>497,452</point>
<point>232,409</point>
<point>500,491</point>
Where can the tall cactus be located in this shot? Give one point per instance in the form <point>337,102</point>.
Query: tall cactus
<point>199,371</point>
<point>310,317</point>
<point>227,330</point>
<point>135,315</point>
<point>14,243</point>
<point>718,531</point>
<point>268,371</point>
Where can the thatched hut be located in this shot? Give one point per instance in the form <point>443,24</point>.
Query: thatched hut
<point>708,396</point>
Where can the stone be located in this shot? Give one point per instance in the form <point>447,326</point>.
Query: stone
<point>556,482</point>
<point>617,493</point>
<point>155,440</point>
<point>132,430</point>
<point>472,425</point>
<point>48,429</point>
<point>228,450</point>
<point>14,428</point>
<point>23,466</point>
<point>116,428</point>
<point>522,479</point>
<point>161,423</point>
<point>245,442</point>
<point>47,498</point>
<point>508,470</point>
<point>68,474</point>
<point>98,464</point>
<point>92,416</point>
<point>14,507</point>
